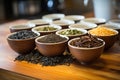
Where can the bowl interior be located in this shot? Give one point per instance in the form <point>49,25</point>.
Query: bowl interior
<point>83,25</point>
<point>69,43</point>
<point>36,29</point>
<point>74,17</point>
<point>81,30</point>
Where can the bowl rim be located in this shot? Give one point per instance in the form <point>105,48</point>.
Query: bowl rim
<point>50,16</point>
<point>83,47</point>
<point>112,26</point>
<point>93,25</point>
<point>38,34</point>
<point>37,42</point>
<point>99,20</point>
<point>51,25</point>
<point>67,22</point>
<point>29,26</point>
<point>75,17</point>
<point>40,21</point>
<point>79,29</point>
<point>107,35</point>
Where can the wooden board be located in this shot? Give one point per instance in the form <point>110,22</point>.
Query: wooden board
<point>105,68</point>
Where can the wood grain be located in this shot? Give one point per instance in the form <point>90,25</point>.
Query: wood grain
<point>105,68</point>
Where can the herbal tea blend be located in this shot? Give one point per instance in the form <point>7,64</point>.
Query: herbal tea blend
<point>37,58</point>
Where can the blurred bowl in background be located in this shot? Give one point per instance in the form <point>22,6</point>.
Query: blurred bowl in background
<point>83,25</point>
<point>54,16</point>
<point>97,21</point>
<point>19,27</point>
<point>63,23</point>
<point>39,22</point>
<point>75,18</point>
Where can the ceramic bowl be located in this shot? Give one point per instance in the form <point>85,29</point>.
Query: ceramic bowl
<point>51,49</point>
<point>85,55</point>
<point>40,22</point>
<point>63,23</point>
<point>97,21</point>
<point>72,36</point>
<point>75,18</point>
<point>19,27</point>
<point>53,17</point>
<point>36,29</point>
<point>109,39</point>
<point>22,46</point>
<point>83,25</point>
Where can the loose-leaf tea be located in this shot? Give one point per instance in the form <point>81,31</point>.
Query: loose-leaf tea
<point>87,41</point>
<point>37,58</point>
<point>24,34</point>
<point>52,38</point>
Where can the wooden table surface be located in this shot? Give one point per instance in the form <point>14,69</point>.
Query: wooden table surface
<point>105,68</point>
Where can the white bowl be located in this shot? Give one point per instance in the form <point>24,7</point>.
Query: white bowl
<point>39,22</point>
<point>72,36</point>
<point>83,25</point>
<point>46,32</point>
<point>95,20</point>
<point>54,16</point>
<point>75,18</point>
<point>63,23</point>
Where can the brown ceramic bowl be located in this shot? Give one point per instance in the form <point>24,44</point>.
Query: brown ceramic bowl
<point>36,29</point>
<point>51,49</point>
<point>109,40</point>
<point>19,27</point>
<point>85,55</point>
<point>72,36</point>
<point>63,23</point>
<point>22,46</point>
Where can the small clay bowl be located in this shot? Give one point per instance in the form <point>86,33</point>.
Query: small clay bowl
<point>53,17</point>
<point>109,40</point>
<point>83,25</point>
<point>72,36</point>
<point>75,18</point>
<point>51,49</point>
<point>85,55</point>
<point>19,27</point>
<point>63,23</point>
<point>97,21</point>
<point>22,46</point>
<point>36,29</point>
<point>40,22</point>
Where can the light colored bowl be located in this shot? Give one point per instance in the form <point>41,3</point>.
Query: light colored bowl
<point>63,23</point>
<point>19,27</point>
<point>85,55</point>
<point>53,17</point>
<point>75,18</point>
<point>109,39</point>
<point>22,46</point>
<point>51,49</point>
<point>73,36</point>
<point>83,25</point>
<point>46,32</point>
<point>97,21</point>
<point>39,22</point>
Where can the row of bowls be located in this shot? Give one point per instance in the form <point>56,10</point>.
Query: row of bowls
<point>52,49</point>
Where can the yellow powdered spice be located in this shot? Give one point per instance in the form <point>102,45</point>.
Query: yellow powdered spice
<point>102,31</point>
